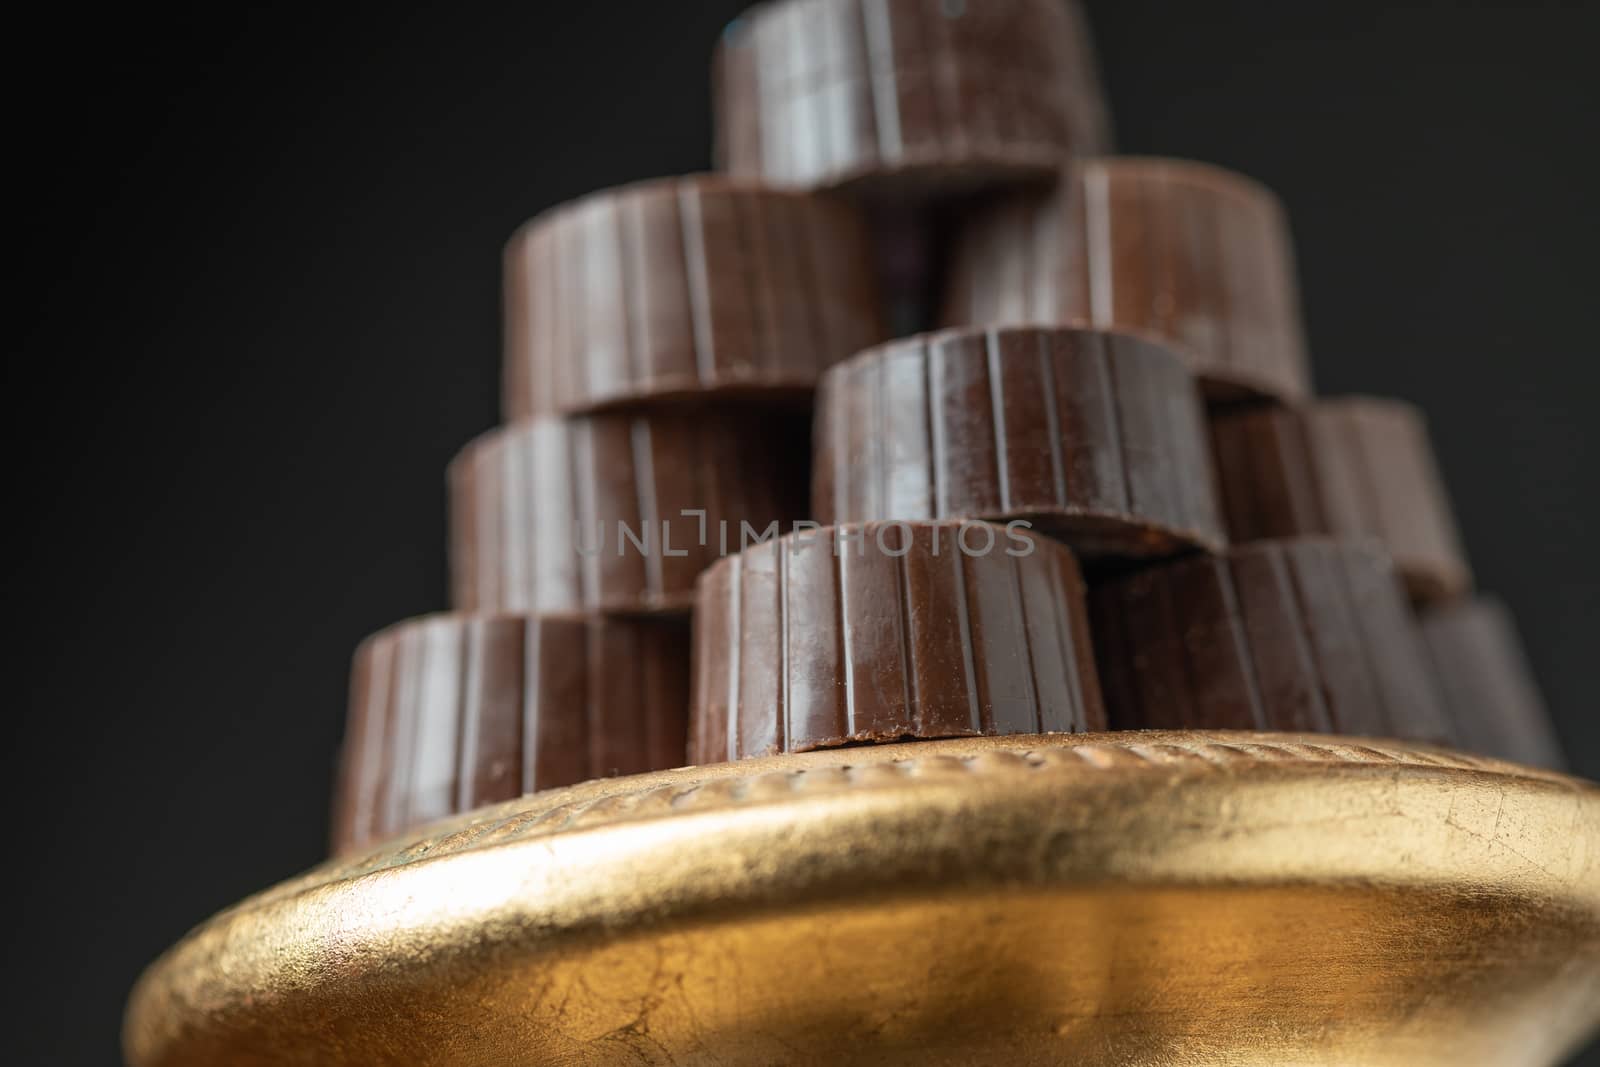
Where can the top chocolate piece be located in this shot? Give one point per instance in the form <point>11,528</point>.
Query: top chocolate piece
<point>1188,253</point>
<point>677,288</point>
<point>907,96</point>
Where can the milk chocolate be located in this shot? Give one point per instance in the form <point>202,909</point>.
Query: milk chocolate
<point>614,512</point>
<point>1095,438</point>
<point>1188,253</point>
<point>1349,467</point>
<point>1309,634</point>
<point>449,712</point>
<point>888,632</point>
<point>678,288</point>
<point>1489,692</point>
<point>905,97</point>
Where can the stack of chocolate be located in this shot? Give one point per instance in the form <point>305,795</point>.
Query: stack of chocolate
<point>1102,496</point>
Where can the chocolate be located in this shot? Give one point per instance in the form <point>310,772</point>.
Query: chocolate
<point>1309,634</point>
<point>1095,438</point>
<point>450,712</point>
<point>1187,253</point>
<point>889,632</point>
<point>903,97</point>
<point>682,287</point>
<point>1350,467</point>
<point>1489,692</point>
<point>614,512</point>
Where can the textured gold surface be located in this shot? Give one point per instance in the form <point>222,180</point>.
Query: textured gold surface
<point>1156,898</point>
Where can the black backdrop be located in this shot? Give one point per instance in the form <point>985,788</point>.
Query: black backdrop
<point>260,316</point>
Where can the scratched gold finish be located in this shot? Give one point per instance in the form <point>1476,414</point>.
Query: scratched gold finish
<point>1151,898</point>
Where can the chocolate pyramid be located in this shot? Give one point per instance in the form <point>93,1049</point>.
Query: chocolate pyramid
<point>731,517</point>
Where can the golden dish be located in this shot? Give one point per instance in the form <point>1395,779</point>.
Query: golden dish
<point>1135,898</point>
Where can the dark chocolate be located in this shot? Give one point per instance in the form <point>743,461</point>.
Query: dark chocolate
<point>1187,253</point>
<point>1489,691</point>
<point>1092,437</point>
<point>614,512</point>
<point>450,712</point>
<point>1349,467</point>
<point>905,97</point>
<point>1308,634</point>
<point>887,632</point>
<point>679,288</point>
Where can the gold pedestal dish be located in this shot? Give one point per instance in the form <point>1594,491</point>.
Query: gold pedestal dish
<point>1135,898</point>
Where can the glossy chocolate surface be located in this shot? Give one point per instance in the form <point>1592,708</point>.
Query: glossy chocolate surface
<point>614,512</point>
<point>889,631</point>
<point>450,712</point>
<point>904,97</point>
<point>1185,252</point>
<point>1489,692</point>
<point>1349,467</point>
<point>678,288</point>
<point>1306,634</point>
<point>1095,438</point>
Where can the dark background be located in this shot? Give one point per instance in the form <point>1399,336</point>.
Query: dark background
<point>261,258</point>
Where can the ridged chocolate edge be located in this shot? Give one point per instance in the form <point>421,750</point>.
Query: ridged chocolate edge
<point>1488,687</point>
<point>1306,634</point>
<point>1346,467</point>
<point>673,288</point>
<point>906,88</point>
<point>1159,247</point>
<point>950,425</point>
<point>612,512</point>
<point>889,631</point>
<point>449,712</point>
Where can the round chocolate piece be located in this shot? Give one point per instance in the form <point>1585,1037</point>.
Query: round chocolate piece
<point>614,512</point>
<point>1489,692</point>
<point>1306,634</point>
<point>1185,252</point>
<point>907,96</point>
<point>892,631</point>
<point>1349,467</point>
<point>450,712</point>
<point>680,287</point>
<point>1095,438</point>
